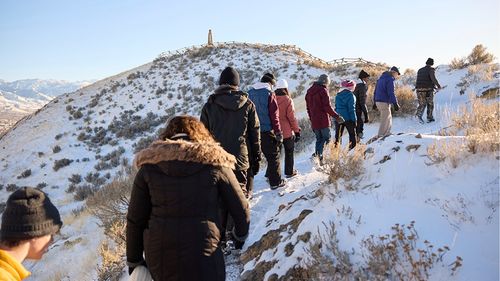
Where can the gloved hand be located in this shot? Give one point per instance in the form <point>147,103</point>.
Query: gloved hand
<point>367,120</point>
<point>339,119</point>
<point>297,137</point>
<point>374,107</point>
<point>255,166</point>
<point>396,106</point>
<point>238,245</point>
<point>279,138</point>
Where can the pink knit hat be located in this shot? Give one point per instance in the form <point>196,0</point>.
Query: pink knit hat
<point>348,84</point>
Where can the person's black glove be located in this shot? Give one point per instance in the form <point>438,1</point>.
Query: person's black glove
<point>238,245</point>
<point>297,137</point>
<point>367,120</point>
<point>374,107</point>
<point>396,106</point>
<point>339,119</point>
<point>255,165</point>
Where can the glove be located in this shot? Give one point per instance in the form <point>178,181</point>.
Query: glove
<point>279,138</point>
<point>367,120</point>
<point>255,165</point>
<point>339,119</point>
<point>396,106</point>
<point>238,245</point>
<point>297,137</point>
<point>374,107</point>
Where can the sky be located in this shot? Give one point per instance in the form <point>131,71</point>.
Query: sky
<point>93,39</point>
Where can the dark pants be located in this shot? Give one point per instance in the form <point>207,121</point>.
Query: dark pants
<point>359,123</point>
<point>339,131</point>
<point>250,177</point>
<point>226,220</point>
<point>322,139</point>
<point>269,146</point>
<point>425,99</point>
<point>289,146</point>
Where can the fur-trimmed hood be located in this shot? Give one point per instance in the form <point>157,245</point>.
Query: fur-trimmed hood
<point>163,153</point>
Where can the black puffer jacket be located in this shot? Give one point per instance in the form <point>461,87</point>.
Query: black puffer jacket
<point>231,118</point>
<point>360,94</point>
<point>426,78</point>
<point>173,214</point>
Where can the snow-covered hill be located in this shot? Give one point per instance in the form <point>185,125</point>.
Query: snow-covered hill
<point>82,140</point>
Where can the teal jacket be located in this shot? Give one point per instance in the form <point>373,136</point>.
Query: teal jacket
<point>345,105</point>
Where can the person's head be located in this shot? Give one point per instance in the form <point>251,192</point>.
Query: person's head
<point>363,75</point>
<point>29,220</point>
<point>429,61</point>
<point>186,127</point>
<point>348,85</point>
<point>324,80</point>
<point>395,72</point>
<point>229,76</point>
<point>268,78</point>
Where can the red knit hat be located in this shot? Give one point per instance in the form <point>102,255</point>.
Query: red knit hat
<point>348,84</point>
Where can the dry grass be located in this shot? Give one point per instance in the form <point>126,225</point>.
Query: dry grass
<point>113,253</point>
<point>342,163</point>
<point>442,150</point>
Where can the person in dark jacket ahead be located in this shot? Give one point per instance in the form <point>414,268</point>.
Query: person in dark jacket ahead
<point>361,109</point>
<point>320,110</point>
<point>173,215</point>
<point>345,105</point>
<point>232,119</point>
<point>425,86</point>
<point>383,97</point>
<point>263,97</point>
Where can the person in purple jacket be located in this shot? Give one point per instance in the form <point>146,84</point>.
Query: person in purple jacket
<point>383,97</point>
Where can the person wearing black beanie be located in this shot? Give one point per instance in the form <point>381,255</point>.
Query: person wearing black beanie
<point>425,86</point>
<point>361,109</point>
<point>28,223</point>
<point>229,76</point>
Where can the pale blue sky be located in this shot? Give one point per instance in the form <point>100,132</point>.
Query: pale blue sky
<point>93,39</point>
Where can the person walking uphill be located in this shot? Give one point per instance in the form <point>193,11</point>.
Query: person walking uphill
<point>319,110</point>
<point>28,223</point>
<point>383,97</point>
<point>232,119</point>
<point>345,105</point>
<point>173,215</point>
<point>425,86</point>
<point>361,109</point>
<point>263,97</point>
<point>288,123</point>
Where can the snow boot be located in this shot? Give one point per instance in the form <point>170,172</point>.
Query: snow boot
<point>280,184</point>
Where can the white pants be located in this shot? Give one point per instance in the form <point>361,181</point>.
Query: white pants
<point>385,119</point>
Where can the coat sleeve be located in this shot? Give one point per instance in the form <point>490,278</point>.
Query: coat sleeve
<point>362,99</point>
<point>139,211</point>
<point>326,105</point>
<point>351,107</point>
<point>274,113</point>
<point>290,115</point>
<point>307,107</point>
<point>204,117</point>
<point>390,91</point>
<point>432,73</point>
<point>253,130</point>
<point>235,202</point>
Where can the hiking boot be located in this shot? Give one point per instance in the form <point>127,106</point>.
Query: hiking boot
<point>430,120</point>
<point>281,183</point>
<point>419,119</point>
<point>293,174</point>
<point>360,135</point>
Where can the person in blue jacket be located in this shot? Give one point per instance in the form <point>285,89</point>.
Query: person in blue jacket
<point>383,97</point>
<point>345,106</point>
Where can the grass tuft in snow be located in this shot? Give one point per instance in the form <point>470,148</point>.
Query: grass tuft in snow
<point>342,163</point>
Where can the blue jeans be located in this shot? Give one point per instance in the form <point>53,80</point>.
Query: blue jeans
<point>322,138</point>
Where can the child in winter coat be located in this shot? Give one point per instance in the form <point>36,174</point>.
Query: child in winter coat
<point>345,106</point>
<point>174,214</point>
<point>288,123</point>
<point>28,223</point>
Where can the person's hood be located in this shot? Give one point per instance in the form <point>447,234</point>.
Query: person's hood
<point>386,76</point>
<point>229,97</point>
<point>262,85</point>
<point>171,156</point>
<point>344,92</point>
<point>282,100</point>
<point>317,88</point>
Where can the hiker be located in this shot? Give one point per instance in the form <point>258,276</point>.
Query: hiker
<point>29,222</point>
<point>361,109</point>
<point>288,123</point>
<point>231,118</point>
<point>383,97</point>
<point>173,215</point>
<point>345,106</point>
<point>319,110</point>
<point>425,86</point>
<point>271,137</point>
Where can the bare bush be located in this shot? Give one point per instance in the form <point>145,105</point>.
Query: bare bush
<point>306,135</point>
<point>25,174</point>
<point>442,150</point>
<point>342,163</point>
<point>407,101</point>
<point>83,192</point>
<point>479,55</point>
<point>56,149</point>
<point>61,163</point>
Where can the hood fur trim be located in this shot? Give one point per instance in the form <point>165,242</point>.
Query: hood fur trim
<point>209,153</point>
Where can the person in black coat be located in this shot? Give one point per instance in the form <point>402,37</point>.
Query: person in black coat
<point>174,212</point>
<point>361,109</point>
<point>425,86</point>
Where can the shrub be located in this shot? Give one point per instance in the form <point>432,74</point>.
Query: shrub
<point>75,179</point>
<point>58,136</point>
<point>479,55</point>
<point>56,149</point>
<point>306,135</point>
<point>58,164</point>
<point>24,174</point>
<point>342,163</point>
<point>41,185</point>
<point>83,192</point>
<point>12,187</point>
<point>407,101</point>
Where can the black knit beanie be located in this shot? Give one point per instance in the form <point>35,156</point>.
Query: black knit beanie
<point>323,80</point>
<point>29,214</point>
<point>363,74</point>
<point>229,76</point>
<point>268,78</point>
<point>429,61</point>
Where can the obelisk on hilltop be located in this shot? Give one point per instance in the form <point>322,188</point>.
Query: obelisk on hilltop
<point>210,39</point>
